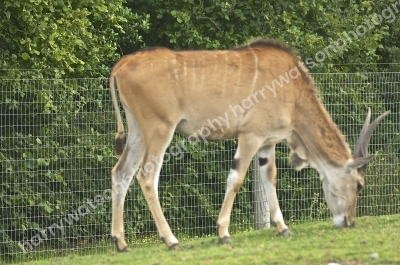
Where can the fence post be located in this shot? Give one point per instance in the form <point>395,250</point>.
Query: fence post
<point>261,207</point>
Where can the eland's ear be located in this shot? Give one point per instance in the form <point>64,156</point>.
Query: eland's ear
<point>360,163</point>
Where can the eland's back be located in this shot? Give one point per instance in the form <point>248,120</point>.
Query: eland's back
<point>193,88</point>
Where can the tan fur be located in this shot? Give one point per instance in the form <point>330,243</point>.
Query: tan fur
<point>296,161</point>
<point>164,90</point>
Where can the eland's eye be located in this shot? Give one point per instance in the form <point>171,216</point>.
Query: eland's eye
<point>359,186</point>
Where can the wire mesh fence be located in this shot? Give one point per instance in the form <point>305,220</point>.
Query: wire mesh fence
<point>57,153</point>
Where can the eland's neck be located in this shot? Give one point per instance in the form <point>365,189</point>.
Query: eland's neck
<point>323,144</point>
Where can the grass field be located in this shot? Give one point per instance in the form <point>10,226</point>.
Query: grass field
<point>374,240</point>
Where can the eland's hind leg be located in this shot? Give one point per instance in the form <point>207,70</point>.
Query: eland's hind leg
<point>121,177</point>
<point>157,138</point>
<point>266,158</point>
<point>248,145</point>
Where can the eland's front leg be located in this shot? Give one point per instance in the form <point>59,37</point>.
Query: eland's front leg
<point>247,147</point>
<point>266,158</point>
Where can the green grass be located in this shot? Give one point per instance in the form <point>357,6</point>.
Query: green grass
<point>311,243</point>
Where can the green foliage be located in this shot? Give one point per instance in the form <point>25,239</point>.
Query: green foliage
<point>44,129</point>
<point>307,26</point>
<point>49,153</point>
<point>76,37</point>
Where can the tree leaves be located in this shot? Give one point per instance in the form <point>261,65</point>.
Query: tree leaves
<point>25,56</point>
<point>307,26</point>
<point>54,34</point>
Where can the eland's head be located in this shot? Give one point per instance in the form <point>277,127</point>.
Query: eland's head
<point>341,192</point>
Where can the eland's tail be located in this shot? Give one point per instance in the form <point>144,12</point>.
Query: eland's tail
<point>120,138</point>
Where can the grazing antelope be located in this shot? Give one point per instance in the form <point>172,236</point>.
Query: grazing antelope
<point>261,94</point>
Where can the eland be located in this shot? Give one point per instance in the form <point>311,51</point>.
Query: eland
<point>261,94</point>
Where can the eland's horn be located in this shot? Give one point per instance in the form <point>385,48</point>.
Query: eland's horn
<point>361,149</point>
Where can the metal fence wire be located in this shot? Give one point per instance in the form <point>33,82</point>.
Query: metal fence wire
<point>56,155</point>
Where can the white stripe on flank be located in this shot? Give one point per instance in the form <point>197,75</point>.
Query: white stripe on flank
<point>256,69</point>
<point>202,72</point>
<point>176,74</point>
<point>216,65</point>
<point>194,74</point>
<point>240,68</point>
<point>226,69</point>
<point>169,70</point>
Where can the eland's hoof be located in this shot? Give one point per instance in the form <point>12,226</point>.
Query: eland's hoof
<point>285,233</point>
<point>175,246</point>
<point>225,240</point>
<point>124,249</point>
